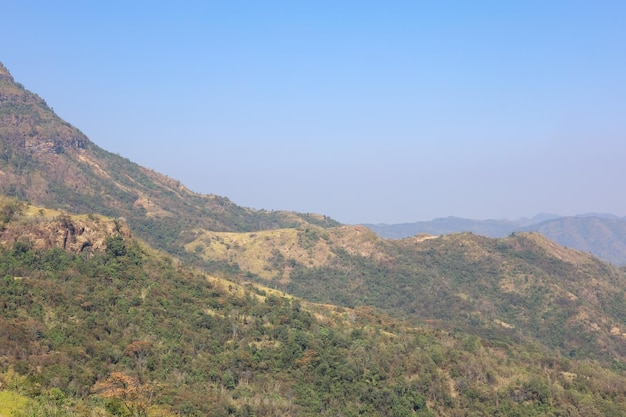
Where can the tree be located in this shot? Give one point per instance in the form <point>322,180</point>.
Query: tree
<point>139,351</point>
<point>115,246</point>
<point>135,396</point>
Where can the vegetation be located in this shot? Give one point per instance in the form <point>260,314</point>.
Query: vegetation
<point>129,331</point>
<point>503,288</point>
<point>47,161</point>
<point>600,234</point>
<point>517,288</point>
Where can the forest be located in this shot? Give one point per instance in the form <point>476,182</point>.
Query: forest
<point>130,331</point>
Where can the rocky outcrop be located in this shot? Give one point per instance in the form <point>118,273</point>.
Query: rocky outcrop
<point>74,234</point>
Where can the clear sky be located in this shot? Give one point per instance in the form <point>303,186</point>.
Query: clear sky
<point>366,111</point>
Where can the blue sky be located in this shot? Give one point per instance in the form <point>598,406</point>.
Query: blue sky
<point>364,111</point>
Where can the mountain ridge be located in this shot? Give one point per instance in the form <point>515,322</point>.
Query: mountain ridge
<point>602,234</point>
<point>45,160</point>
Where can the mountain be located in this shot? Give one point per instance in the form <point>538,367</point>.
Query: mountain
<point>121,329</point>
<point>47,161</point>
<point>603,235</point>
<point>447,225</point>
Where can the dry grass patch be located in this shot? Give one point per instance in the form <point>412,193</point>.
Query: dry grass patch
<point>11,402</point>
<point>272,254</point>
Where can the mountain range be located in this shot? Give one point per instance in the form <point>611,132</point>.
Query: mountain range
<point>603,235</point>
<point>123,293</point>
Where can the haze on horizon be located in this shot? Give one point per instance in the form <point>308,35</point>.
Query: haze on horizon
<point>368,112</point>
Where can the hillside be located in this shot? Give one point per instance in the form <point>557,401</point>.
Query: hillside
<point>47,161</point>
<point>602,235</point>
<point>524,287</point>
<point>125,330</point>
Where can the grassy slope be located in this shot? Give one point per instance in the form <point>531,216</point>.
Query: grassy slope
<point>11,402</point>
<point>522,286</point>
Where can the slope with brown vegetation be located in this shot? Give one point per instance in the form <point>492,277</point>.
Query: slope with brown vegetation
<point>46,161</point>
<point>524,286</point>
<point>273,254</point>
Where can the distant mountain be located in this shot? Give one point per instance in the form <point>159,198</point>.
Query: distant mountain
<point>47,161</point>
<point>447,225</point>
<point>600,215</point>
<point>603,235</point>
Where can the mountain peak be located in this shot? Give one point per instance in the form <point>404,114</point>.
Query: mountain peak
<point>47,161</point>
<point>29,124</point>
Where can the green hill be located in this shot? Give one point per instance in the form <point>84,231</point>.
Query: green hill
<point>524,287</point>
<point>123,330</point>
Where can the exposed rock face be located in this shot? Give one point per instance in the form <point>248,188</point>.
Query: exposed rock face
<point>45,230</point>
